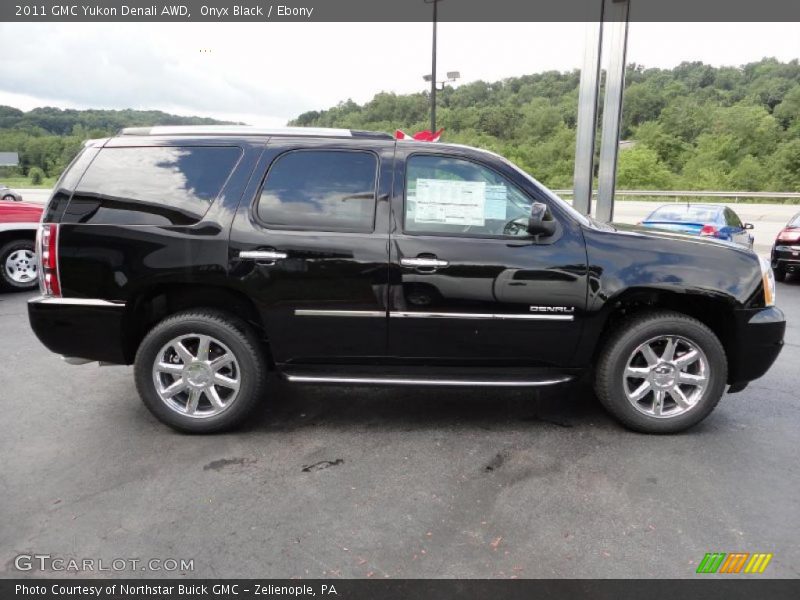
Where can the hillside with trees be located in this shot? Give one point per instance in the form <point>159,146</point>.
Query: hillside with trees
<point>693,127</point>
<point>47,138</point>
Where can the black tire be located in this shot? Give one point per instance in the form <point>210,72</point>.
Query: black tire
<point>6,281</point>
<point>627,338</point>
<point>780,274</point>
<point>9,198</point>
<point>233,333</point>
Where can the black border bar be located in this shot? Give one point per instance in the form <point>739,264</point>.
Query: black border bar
<point>699,588</point>
<point>391,11</point>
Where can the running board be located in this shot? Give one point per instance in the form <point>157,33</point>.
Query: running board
<point>517,380</point>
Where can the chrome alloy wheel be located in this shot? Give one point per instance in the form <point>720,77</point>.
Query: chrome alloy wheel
<point>196,375</point>
<point>21,266</point>
<point>666,376</point>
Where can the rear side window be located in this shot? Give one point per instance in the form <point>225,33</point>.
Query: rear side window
<point>320,190</point>
<point>172,185</point>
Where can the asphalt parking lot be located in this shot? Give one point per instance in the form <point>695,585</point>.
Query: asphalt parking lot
<point>368,482</point>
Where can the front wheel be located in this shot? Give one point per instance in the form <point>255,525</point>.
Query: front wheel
<point>9,198</point>
<point>661,372</point>
<point>200,371</point>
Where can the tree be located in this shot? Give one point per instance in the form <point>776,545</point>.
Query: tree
<point>785,167</point>
<point>36,175</point>
<point>788,111</point>
<point>640,168</point>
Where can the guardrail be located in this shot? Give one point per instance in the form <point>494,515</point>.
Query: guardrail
<point>735,196</point>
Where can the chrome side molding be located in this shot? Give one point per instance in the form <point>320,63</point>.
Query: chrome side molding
<point>501,316</point>
<point>339,313</point>
<point>431,315</point>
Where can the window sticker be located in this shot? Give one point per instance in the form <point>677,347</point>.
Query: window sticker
<point>496,200</point>
<point>450,202</point>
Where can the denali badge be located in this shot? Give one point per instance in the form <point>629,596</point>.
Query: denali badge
<point>553,309</point>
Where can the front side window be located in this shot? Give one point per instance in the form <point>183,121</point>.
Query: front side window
<point>454,196</point>
<point>320,190</point>
<point>732,218</point>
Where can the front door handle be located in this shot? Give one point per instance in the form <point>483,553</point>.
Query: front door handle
<point>423,263</point>
<point>262,255</point>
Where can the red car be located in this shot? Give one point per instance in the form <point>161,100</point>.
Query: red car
<point>18,224</point>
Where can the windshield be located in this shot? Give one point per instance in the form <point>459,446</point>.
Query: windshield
<point>686,213</point>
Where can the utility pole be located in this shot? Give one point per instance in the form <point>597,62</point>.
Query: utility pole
<point>433,66</point>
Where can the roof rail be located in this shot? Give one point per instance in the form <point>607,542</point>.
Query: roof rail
<point>244,130</point>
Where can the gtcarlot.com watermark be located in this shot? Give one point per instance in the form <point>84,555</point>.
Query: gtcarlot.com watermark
<point>48,562</point>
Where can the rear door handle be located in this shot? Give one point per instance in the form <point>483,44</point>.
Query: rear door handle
<point>262,255</point>
<point>424,263</point>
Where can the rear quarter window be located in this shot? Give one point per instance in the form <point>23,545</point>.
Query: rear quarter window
<point>161,185</point>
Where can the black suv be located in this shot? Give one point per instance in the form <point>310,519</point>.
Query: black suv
<point>216,258</point>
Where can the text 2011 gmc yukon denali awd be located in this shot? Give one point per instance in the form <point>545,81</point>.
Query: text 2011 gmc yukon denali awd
<point>212,258</point>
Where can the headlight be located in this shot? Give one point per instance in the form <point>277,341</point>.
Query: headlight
<point>768,278</point>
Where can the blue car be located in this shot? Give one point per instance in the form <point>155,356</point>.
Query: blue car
<point>709,220</point>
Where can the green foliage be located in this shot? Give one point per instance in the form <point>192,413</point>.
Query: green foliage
<point>695,126</point>
<point>48,138</point>
<point>640,168</point>
<point>36,175</point>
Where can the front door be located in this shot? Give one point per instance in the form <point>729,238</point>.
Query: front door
<point>468,283</point>
<point>311,248</point>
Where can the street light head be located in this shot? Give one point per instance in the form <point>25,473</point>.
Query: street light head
<point>427,77</point>
<point>453,75</point>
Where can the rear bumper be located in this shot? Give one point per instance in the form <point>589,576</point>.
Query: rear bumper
<point>786,258</point>
<point>80,327</point>
<point>758,342</point>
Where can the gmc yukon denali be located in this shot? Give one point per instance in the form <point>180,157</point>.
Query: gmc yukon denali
<point>217,259</point>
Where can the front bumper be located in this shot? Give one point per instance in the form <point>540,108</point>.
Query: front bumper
<point>80,327</point>
<point>758,340</point>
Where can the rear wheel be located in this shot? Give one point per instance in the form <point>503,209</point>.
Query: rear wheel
<point>661,373</point>
<point>200,371</point>
<point>9,198</point>
<point>18,266</point>
<point>780,274</point>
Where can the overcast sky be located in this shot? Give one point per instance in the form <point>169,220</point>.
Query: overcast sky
<point>265,74</point>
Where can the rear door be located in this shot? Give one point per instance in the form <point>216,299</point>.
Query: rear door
<point>469,285</point>
<point>311,247</point>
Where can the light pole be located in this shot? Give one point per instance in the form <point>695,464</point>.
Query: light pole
<point>433,66</point>
<point>451,76</point>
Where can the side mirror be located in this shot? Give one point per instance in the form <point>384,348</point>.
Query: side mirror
<point>748,226</point>
<point>541,221</point>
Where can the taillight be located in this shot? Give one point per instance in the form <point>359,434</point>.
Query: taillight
<point>789,235</point>
<point>709,230</point>
<point>48,260</point>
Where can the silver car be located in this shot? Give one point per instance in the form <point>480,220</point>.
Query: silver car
<point>6,193</point>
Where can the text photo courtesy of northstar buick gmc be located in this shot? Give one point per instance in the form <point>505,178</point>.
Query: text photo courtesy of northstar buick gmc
<point>346,257</point>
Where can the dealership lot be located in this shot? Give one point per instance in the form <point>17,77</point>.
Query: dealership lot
<point>369,482</point>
